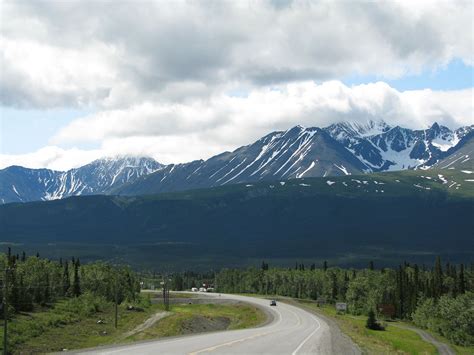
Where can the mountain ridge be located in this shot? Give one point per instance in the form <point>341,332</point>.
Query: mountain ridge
<point>19,184</point>
<point>339,149</point>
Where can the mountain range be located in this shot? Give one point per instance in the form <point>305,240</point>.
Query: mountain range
<point>19,184</point>
<point>410,215</point>
<point>345,148</point>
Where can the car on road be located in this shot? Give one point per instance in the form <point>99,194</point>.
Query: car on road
<point>273,303</point>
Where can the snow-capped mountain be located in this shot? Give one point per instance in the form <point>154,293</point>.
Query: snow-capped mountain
<point>460,157</point>
<point>18,184</point>
<point>381,147</point>
<point>295,153</point>
<point>340,149</point>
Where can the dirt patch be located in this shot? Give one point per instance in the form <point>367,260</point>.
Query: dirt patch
<point>147,324</point>
<point>200,324</point>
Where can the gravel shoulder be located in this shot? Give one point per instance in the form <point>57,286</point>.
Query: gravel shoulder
<point>340,342</point>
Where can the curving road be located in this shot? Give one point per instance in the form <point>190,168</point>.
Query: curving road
<point>291,330</point>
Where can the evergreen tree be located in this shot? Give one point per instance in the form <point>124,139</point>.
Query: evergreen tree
<point>372,322</point>
<point>371,265</point>
<point>438,278</point>
<point>76,284</point>
<point>47,293</point>
<point>66,281</point>
<point>461,280</point>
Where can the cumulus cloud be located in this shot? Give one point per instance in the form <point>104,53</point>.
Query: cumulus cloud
<point>191,79</point>
<point>277,107</point>
<point>51,157</point>
<point>118,54</point>
<point>181,132</point>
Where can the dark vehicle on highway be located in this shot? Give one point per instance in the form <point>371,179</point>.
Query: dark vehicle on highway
<point>273,303</point>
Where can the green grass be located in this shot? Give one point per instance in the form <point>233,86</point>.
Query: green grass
<point>461,350</point>
<point>238,316</point>
<point>56,329</point>
<point>69,326</point>
<point>391,340</point>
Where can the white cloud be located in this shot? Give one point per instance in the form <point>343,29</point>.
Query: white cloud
<point>189,80</point>
<point>92,53</point>
<point>51,157</point>
<point>273,108</point>
<point>200,128</point>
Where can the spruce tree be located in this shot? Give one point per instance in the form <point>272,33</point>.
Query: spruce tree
<point>66,281</point>
<point>461,280</point>
<point>438,278</point>
<point>372,322</point>
<point>76,285</point>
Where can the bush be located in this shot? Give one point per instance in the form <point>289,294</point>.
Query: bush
<point>372,322</point>
<point>450,317</point>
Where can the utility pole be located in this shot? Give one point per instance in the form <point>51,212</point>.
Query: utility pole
<point>166,294</point>
<point>5,313</point>
<point>116,303</point>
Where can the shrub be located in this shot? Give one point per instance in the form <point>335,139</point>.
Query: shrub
<point>372,322</point>
<point>450,317</point>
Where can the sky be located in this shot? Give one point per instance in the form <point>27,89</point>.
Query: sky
<point>186,80</point>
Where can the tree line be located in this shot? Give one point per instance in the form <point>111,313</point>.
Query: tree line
<point>415,292</point>
<point>32,281</point>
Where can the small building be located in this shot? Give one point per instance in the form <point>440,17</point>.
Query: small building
<point>387,309</point>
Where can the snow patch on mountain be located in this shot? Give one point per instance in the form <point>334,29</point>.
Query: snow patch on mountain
<point>97,177</point>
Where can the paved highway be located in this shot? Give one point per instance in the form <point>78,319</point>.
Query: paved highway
<point>291,330</point>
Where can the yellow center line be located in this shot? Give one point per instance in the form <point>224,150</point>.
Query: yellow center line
<point>215,347</point>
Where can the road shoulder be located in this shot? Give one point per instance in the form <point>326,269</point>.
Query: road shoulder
<point>340,343</point>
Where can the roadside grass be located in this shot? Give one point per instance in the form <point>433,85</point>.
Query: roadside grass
<point>159,294</point>
<point>461,350</point>
<point>55,329</point>
<point>391,340</point>
<point>72,324</point>
<point>198,318</point>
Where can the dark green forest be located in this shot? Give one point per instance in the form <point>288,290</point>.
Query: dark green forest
<point>439,298</point>
<point>238,225</point>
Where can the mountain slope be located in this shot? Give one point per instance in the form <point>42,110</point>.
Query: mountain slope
<point>460,157</point>
<point>18,184</point>
<point>387,216</point>
<point>385,148</point>
<point>340,149</point>
<point>296,153</point>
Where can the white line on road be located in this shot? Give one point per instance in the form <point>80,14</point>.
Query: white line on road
<point>307,338</point>
<point>239,340</point>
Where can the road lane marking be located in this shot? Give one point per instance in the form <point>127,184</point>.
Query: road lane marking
<point>215,347</point>
<point>307,338</point>
<point>288,308</point>
<point>135,347</point>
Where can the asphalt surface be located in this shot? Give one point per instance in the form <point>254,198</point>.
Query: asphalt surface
<point>290,330</point>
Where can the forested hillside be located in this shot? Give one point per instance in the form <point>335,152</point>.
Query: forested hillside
<point>349,220</point>
<point>440,298</point>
